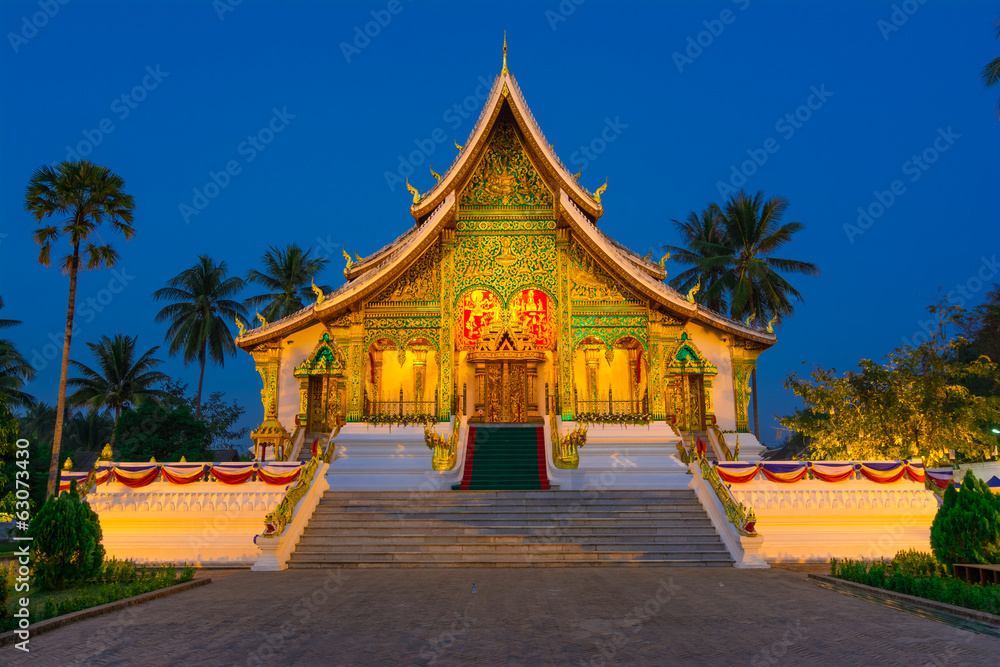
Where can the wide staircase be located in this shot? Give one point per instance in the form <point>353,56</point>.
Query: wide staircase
<point>508,529</point>
<point>306,452</point>
<point>504,458</point>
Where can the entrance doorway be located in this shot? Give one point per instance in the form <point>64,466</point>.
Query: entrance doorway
<point>506,392</point>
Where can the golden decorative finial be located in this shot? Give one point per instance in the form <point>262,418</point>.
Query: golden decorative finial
<point>436,175</point>
<point>350,261</point>
<point>459,146</point>
<point>183,460</point>
<point>578,174</point>
<point>152,459</point>
<point>318,292</point>
<point>663,261</point>
<point>106,453</point>
<point>600,191</point>
<point>752,316</point>
<point>69,464</point>
<point>263,322</point>
<point>242,327</point>
<point>770,324</point>
<point>504,70</point>
<point>693,291</point>
<point>413,191</point>
<point>648,255</point>
<point>357,257</point>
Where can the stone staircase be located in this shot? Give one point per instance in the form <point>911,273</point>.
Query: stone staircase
<point>509,529</point>
<point>306,452</point>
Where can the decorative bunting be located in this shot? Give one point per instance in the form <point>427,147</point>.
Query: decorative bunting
<point>940,477</point>
<point>136,476</point>
<point>278,474</point>
<point>233,473</point>
<point>832,472</point>
<point>736,473</point>
<point>785,473</point>
<point>183,473</point>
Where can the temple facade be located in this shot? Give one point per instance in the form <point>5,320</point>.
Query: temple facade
<point>504,301</point>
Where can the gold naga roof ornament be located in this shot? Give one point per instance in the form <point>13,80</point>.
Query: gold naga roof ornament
<point>357,257</point>
<point>436,175</point>
<point>263,322</point>
<point>750,318</point>
<point>578,174</point>
<point>413,191</point>
<point>648,256</point>
<point>350,260</point>
<point>600,191</point>
<point>318,292</point>
<point>239,325</point>
<point>663,261</point>
<point>771,322</point>
<point>459,146</point>
<point>693,291</point>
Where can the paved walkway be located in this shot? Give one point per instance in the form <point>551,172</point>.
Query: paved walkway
<point>592,616</point>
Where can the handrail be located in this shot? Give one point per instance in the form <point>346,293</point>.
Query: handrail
<point>275,522</point>
<point>565,449</point>
<point>741,516</point>
<point>445,451</point>
<point>720,442</point>
<point>294,444</point>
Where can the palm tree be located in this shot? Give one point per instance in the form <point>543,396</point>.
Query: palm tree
<point>288,276</point>
<point>14,371</point>
<point>701,236</point>
<point>38,422</point>
<point>752,233</point>
<point>991,73</point>
<point>89,431</point>
<point>121,381</point>
<point>83,195</point>
<point>201,314</point>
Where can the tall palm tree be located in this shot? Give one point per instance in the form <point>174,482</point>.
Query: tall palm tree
<point>288,277</point>
<point>14,371</point>
<point>89,430</point>
<point>38,422</point>
<point>82,195</point>
<point>753,232</point>
<point>991,73</point>
<point>120,381</point>
<point>701,236</point>
<point>200,316</point>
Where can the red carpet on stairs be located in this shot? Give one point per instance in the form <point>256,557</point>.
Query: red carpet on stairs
<point>543,477</point>
<point>470,448</point>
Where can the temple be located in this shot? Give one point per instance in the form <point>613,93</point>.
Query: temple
<point>505,301</point>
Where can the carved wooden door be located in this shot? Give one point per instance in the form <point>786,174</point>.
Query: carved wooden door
<point>494,392</point>
<point>317,404</point>
<point>517,396</point>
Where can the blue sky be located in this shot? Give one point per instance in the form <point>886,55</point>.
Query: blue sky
<point>836,106</point>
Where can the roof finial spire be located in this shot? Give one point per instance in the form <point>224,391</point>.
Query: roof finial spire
<point>504,70</point>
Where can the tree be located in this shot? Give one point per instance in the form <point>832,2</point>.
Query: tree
<point>966,528</point>
<point>66,541</point>
<point>15,371</point>
<point>913,405</point>
<point>288,276</point>
<point>980,336</point>
<point>88,431</point>
<point>8,466</point>
<point>120,380</point>
<point>220,417</point>
<point>991,73</point>
<point>702,238</point>
<point>83,195</point>
<point>161,431</point>
<point>201,314</point>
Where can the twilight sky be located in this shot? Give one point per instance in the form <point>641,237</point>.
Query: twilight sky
<point>868,116</point>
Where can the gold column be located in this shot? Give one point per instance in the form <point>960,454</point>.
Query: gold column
<point>267,359</point>
<point>744,359</point>
<point>633,384</point>
<point>419,371</point>
<point>377,375</point>
<point>532,388</point>
<point>592,357</point>
<point>480,385</point>
<point>303,417</point>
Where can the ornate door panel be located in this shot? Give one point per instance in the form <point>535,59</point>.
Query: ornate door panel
<point>494,393</point>
<point>317,404</point>
<point>506,392</point>
<point>518,404</point>
<point>695,403</point>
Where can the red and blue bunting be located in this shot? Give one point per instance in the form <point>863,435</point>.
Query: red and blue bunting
<point>880,472</point>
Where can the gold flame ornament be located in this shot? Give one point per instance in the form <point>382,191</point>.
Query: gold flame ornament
<point>318,292</point>
<point>413,191</point>
<point>600,191</point>
<point>458,146</point>
<point>663,261</point>
<point>504,69</point>
<point>750,318</point>
<point>350,261</point>
<point>263,322</point>
<point>357,257</point>
<point>770,324</point>
<point>106,453</point>
<point>648,255</point>
<point>693,291</point>
<point>242,327</point>
<point>578,174</point>
<point>69,464</point>
<point>436,175</point>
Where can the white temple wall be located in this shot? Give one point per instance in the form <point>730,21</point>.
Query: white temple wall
<point>713,345</point>
<point>295,349</point>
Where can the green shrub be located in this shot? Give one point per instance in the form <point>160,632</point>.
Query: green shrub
<point>66,541</point>
<point>966,528</point>
<point>4,614</point>
<point>153,430</point>
<point>917,564</point>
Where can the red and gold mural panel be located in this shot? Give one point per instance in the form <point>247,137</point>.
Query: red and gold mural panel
<point>476,310</point>
<point>533,310</point>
